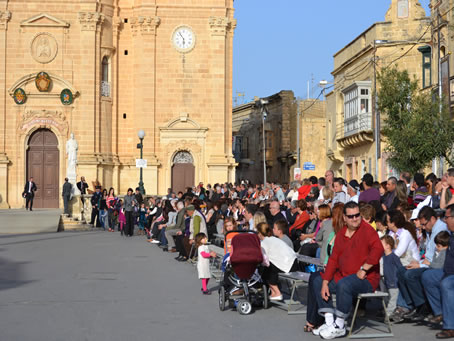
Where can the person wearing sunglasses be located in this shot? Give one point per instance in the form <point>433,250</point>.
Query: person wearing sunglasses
<point>352,268</point>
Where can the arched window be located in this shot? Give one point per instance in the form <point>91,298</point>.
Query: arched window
<point>105,69</point>
<point>183,157</point>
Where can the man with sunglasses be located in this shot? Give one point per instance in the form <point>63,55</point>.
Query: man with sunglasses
<point>410,285</point>
<point>352,268</point>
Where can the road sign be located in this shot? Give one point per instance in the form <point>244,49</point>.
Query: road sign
<point>141,163</point>
<point>308,166</point>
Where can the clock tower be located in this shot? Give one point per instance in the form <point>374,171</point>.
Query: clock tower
<point>103,70</point>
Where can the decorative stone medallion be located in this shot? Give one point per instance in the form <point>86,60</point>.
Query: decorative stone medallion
<point>19,96</point>
<point>43,81</point>
<point>66,97</point>
<point>44,48</point>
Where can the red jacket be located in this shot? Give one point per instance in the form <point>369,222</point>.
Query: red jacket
<point>349,254</point>
<point>300,221</point>
<point>303,191</point>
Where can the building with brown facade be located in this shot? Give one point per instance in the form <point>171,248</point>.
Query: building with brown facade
<point>351,145</point>
<point>280,144</point>
<point>103,70</point>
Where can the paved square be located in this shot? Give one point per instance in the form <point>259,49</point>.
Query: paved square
<point>99,286</point>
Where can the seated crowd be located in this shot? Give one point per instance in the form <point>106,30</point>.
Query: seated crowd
<point>393,236</point>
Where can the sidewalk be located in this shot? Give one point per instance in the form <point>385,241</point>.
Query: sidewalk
<point>20,221</point>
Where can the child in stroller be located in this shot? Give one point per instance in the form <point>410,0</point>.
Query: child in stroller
<point>241,282</point>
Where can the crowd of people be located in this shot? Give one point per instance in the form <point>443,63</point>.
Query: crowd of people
<point>393,236</point>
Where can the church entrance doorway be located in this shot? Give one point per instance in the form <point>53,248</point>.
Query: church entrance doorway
<point>183,171</point>
<point>43,166</point>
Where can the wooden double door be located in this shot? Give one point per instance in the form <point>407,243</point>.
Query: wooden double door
<point>43,165</point>
<point>182,176</point>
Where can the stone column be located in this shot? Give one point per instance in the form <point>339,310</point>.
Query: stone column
<point>220,70</point>
<point>5,16</point>
<point>116,26</point>
<point>144,33</point>
<point>89,101</point>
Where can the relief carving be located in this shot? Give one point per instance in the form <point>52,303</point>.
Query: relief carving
<point>90,20</point>
<point>5,16</point>
<point>43,118</point>
<point>182,146</point>
<point>219,25</point>
<point>44,48</point>
<point>145,25</point>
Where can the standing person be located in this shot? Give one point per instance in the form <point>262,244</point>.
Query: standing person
<point>82,186</point>
<point>29,192</point>
<point>391,264</point>
<point>370,193</point>
<point>203,261</point>
<point>95,205</point>
<point>66,194</point>
<point>138,197</point>
<point>130,202</point>
<point>111,202</point>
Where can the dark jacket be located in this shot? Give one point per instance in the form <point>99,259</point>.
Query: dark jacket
<point>32,190</point>
<point>96,199</point>
<point>67,187</point>
<point>82,186</point>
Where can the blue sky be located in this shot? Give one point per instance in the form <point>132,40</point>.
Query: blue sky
<point>283,45</point>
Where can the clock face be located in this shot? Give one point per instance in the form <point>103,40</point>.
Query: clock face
<point>183,39</point>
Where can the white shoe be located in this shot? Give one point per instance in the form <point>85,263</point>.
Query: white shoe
<point>154,241</point>
<point>317,331</point>
<point>332,332</point>
<point>276,298</point>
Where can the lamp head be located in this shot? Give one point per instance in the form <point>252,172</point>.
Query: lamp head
<point>141,134</point>
<point>323,83</point>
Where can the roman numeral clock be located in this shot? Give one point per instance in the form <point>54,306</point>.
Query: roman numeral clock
<point>183,39</point>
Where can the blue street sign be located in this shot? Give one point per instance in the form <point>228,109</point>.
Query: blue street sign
<point>308,166</point>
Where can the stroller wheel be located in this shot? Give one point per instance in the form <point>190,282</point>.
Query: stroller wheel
<point>222,299</point>
<point>244,307</point>
<point>266,300</point>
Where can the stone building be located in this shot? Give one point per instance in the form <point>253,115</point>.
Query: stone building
<point>350,143</point>
<point>103,70</point>
<point>442,19</point>
<point>280,138</point>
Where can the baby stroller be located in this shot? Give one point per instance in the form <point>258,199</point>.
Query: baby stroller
<point>241,283</point>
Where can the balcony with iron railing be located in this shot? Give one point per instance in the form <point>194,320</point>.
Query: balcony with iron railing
<point>355,131</point>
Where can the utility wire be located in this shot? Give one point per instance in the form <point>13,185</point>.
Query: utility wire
<point>411,48</point>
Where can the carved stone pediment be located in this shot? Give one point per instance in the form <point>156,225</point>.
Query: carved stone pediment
<point>43,118</point>
<point>44,20</point>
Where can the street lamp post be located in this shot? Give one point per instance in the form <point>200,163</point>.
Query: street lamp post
<point>262,103</point>
<point>141,135</point>
<point>264,141</point>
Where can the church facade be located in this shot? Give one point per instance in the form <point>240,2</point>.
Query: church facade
<point>102,70</point>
